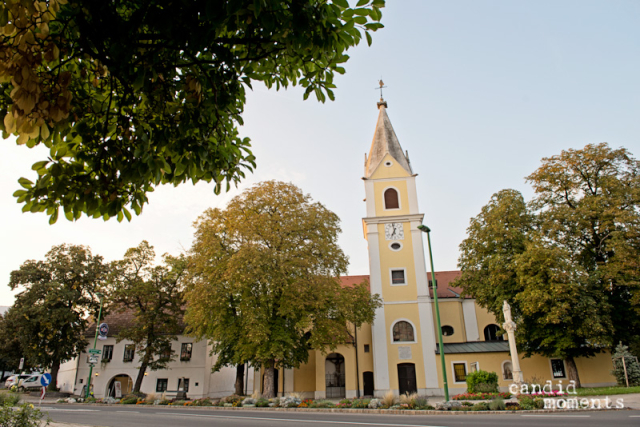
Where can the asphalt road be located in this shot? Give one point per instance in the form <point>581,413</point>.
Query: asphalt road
<point>165,417</point>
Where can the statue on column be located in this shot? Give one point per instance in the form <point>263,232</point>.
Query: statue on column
<point>510,326</point>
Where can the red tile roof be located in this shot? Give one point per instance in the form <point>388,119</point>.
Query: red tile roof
<point>444,279</point>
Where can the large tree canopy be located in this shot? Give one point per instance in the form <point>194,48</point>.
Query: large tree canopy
<point>265,283</point>
<point>50,313</point>
<point>567,262</point>
<point>154,295</point>
<point>129,94</point>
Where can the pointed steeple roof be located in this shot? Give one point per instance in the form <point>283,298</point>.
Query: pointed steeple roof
<point>385,141</point>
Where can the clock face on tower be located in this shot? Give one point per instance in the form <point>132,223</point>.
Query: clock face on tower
<point>393,231</point>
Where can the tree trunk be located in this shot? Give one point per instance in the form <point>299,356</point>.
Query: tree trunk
<point>572,371</point>
<point>55,367</point>
<point>269,380</point>
<point>141,371</point>
<point>240,379</point>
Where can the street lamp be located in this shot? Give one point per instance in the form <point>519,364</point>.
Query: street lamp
<point>434,286</point>
<point>95,342</point>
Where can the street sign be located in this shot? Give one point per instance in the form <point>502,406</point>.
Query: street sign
<point>43,392</point>
<point>103,330</point>
<point>93,359</point>
<point>45,380</point>
<point>95,351</point>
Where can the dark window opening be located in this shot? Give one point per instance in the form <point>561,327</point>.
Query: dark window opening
<point>491,333</point>
<point>391,199</point>
<point>403,331</point>
<point>107,353</point>
<point>185,352</point>
<point>397,277</point>
<point>557,368</point>
<point>460,371</point>
<point>447,331</point>
<point>367,349</point>
<point>129,351</point>
<point>162,384</point>
<point>396,246</point>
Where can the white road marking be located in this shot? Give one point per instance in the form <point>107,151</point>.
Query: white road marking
<point>558,416</point>
<point>45,408</point>
<point>130,412</point>
<point>301,420</point>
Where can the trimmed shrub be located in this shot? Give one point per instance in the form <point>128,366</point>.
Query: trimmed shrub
<point>262,403</point>
<point>482,381</point>
<point>480,406</point>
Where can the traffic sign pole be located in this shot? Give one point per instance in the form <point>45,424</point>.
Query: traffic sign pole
<point>95,342</point>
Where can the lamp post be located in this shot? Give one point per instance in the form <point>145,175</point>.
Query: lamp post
<point>95,342</point>
<point>434,286</point>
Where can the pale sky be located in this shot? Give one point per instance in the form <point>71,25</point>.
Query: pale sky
<point>478,92</point>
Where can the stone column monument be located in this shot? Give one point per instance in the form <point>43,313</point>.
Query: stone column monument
<point>510,326</point>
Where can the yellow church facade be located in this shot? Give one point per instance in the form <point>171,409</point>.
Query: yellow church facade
<point>399,351</point>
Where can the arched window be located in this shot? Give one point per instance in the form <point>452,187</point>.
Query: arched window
<point>507,370</point>
<point>447,330</point>
<point>403,331</point>
<point>491,333</point>
<point>391,199</point>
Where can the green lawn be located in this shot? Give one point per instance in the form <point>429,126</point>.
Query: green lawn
<point>607,391</point>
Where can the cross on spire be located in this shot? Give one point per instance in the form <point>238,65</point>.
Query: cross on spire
<point>382,101</point>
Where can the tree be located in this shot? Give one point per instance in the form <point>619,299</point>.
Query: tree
<point>567,262</point>
<point>264,285</point>
<point>154,295</point>
<point>131,94</point>
<point>50,314</point>
<point>10,348</point>
<point>627,373</point>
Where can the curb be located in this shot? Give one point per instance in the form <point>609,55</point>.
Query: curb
<point>351,411</point>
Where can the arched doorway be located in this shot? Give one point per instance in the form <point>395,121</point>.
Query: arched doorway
<point>123,382</point>
<point>334,376</point>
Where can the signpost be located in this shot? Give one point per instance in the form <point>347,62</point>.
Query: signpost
<point>21,363</point>
<point>95,351</point>
<point>95,341</point>
<point>45,380</point>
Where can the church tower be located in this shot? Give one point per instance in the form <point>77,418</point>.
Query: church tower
<point>403,335</point>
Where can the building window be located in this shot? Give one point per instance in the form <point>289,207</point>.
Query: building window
<point>459,372</point>
<point>557,368</point>
<point>395,246</point>
<point>447,330</point>
<point>183,382</point>
<point>367,349</point>
<point>403,332</point>
<point>507,370</point>
<point>129,351</point>
<point>107,353</point>
<point>166,352</point>
<point>185,352</point>
<point>491,333</point>
<point>391,199</point>
<point>161,384</point>
<point>397,277</point>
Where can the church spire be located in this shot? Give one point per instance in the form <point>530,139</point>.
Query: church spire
<point>384,141</point>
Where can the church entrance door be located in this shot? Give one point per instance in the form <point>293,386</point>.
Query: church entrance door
<point>407,378</point>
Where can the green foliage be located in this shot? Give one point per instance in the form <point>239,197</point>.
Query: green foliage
<point>129,399</point>
<point>321,404</point>
<point>262,403</point>
<point>482,382</point>
<point>360,403</point>
<point>480,406</point>
<point>49,315</point>
<point>264,282</point>
<point>26,416</point>
<point>497,404</point>
<point>630,363</point>
<point>233,399</point>
<point>566,262</point>
<point>154,295</point>
<point>128,95</point>
<point>10,399</point>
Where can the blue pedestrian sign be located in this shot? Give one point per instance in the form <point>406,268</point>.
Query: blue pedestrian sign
<point>45,380</point>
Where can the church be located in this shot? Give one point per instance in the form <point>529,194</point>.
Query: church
<point>399,352</point>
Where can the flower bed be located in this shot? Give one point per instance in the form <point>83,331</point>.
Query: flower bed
<point>481,396</point>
